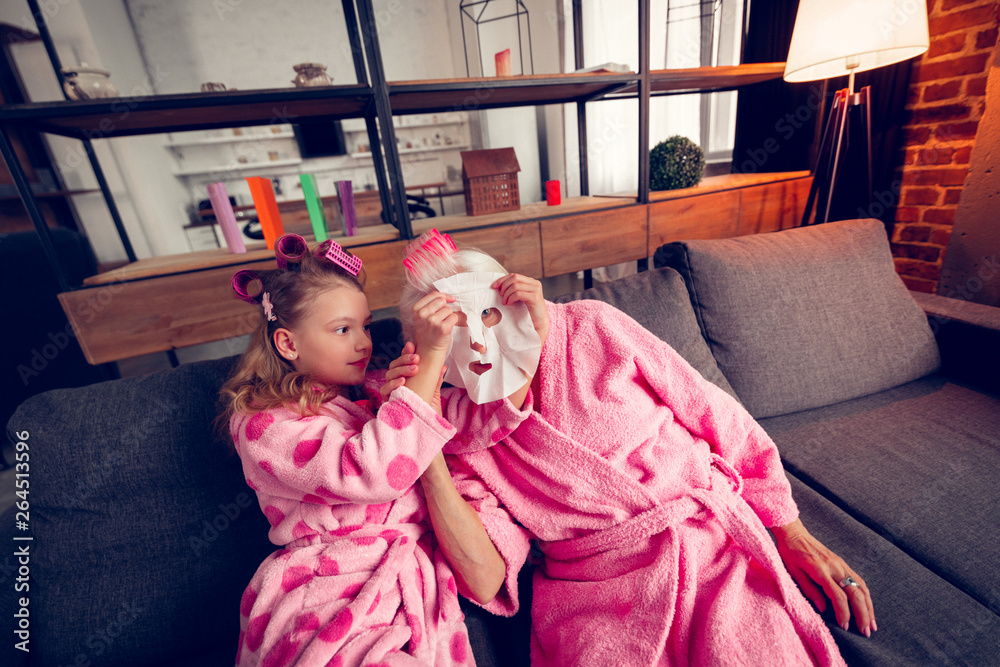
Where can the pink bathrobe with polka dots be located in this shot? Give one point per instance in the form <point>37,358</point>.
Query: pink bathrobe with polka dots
<point>360,580</point>
<point>649,490</point>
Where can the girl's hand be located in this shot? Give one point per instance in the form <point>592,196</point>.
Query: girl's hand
<point>433,321</point>
<point>514,288</point>
<point>814,567</point>
<point>404,366</point>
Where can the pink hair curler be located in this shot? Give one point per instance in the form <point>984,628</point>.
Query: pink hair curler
<point>241,281</point>
<point>436,243</point>
<point>336,254</point>
<point>290,248</point>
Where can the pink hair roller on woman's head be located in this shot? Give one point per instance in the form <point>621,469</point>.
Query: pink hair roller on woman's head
<point>436,243</point>
<point>241,281</point>
<point>290,249</point>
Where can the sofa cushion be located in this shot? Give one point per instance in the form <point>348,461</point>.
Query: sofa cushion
<point>146,532</point>
<point>922,619</point>
<point>917,463</point>
<point>805,317</point>
<point>658,300</point>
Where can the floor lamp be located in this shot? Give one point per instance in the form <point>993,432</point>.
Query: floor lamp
<point>845,37</point>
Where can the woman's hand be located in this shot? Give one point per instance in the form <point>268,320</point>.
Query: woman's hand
<point>814,567</point>
<point>433,321</point>
<point>515,288</point>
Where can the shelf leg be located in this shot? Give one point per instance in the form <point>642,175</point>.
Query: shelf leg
<point>112,208</point>
<point>31,203</point>
<point>384,112</point>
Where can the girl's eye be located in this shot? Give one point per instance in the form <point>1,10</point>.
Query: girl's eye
<point>340,330</point>
<point>368,328</point>
<point>492,317</point>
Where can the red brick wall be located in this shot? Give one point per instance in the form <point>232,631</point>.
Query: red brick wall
<point>947,99</point>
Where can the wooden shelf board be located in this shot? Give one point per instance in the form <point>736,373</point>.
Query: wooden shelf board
<point>501,91</point>
<point>528,212</point>
<point>219,257</point>
<point>115,117</point>
<point>699,79</point>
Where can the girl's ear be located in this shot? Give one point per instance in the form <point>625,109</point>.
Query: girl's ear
<point>284,341</point>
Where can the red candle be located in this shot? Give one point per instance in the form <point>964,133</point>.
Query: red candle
<point>553,195</point>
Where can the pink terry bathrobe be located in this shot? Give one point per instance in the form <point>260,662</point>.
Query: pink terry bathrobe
<point>360,580</point>
<point>649,490</point>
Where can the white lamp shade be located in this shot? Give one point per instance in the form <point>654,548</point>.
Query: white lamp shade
<point>831,35</point>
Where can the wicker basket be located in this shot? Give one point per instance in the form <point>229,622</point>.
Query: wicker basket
<point>490,180</point>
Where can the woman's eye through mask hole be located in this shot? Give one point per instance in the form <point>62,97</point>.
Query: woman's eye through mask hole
<point>491,317</point>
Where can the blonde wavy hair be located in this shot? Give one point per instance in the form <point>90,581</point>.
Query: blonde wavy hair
<point>263,379</point>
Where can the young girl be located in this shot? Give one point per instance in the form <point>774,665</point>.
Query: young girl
<point>371,561</point>
<point>649,491</point>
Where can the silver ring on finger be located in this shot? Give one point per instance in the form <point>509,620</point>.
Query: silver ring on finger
<point>848,581</point>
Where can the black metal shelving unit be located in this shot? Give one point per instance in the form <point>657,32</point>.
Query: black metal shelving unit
<point>373,98</point>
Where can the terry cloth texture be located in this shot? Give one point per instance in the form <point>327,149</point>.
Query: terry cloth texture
<point>918,463</point>
<point>658,300</point>
<point>805,317</point>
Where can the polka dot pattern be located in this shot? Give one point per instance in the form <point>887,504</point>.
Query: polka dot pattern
<point>327,493</point>
<point>396,415</point>
<point>389,535</point>
<point>281,654</point>
<point>328,567</point>
<point>315,500</point>
<point>378,598</point>
<point>255,631</point>
<point>296,576</point>
<point>377,513</point>
<point>257,424</point>
<point>305,451</point>
<point>301,530</point>
<point>252,485</point>
<point>351,592</point>
<point>365,541</point>
<point>344,530</point>
<point>308,622</point>
<point>458,647</point>
<point>335,661</point>
<point>417,632</point>
<point>348,462</point>
<point>452,586</point>
<point>267,467</point>
<point>246,602</point>
<point>402,472</point>
<point>274,515</point>
<point>337,628</point>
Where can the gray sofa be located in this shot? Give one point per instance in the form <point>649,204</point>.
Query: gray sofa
<point>887,416</point>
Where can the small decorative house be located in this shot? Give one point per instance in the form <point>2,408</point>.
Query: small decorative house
<point>490,180</point>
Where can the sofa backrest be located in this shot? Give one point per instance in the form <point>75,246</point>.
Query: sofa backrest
<point>658,300</point>
<point>145,531</point>
<point>805,317</point>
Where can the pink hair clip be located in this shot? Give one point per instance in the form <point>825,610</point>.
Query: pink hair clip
<point>436,243</point>
<point>290,248</point>
<point>268,307</point>
<point>336,254</point>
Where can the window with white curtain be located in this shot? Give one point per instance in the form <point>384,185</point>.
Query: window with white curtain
<point>683,34</point>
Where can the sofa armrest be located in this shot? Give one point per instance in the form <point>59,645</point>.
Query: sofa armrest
<point>968,336</point>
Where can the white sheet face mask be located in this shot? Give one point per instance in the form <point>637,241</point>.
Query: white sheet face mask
<point>497,349</point>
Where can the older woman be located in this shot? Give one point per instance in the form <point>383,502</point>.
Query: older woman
<point>649,490</point>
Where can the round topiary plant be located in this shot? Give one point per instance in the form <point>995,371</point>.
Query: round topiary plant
<point>675,163</point>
